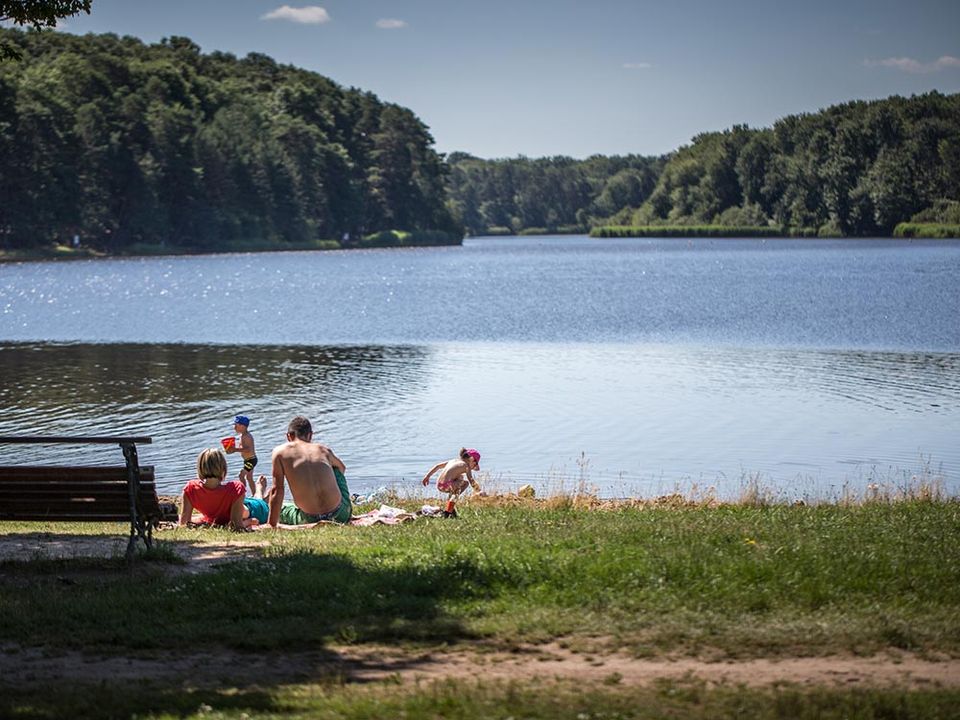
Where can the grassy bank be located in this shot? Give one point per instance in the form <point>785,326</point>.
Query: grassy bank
<point>54,252</point>
<point>62,252</point>
<point>926,230</point>
<point>718,231</point>
<point>501,231</point>
<point>388,238</point>
<point>647,581</point>
<point>398,238</point>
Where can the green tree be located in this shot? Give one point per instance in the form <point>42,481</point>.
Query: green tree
<point>128,143</point>
<point>38,14</point>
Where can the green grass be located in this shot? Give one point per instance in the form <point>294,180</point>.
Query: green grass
<point>402,238</point>
<point>560,230</point>
<point>470,699</point>
<point>52,252</point>
<point>388,238</point>
<point>731,581</point>
<point>926,230</point>
<point>684,231</point>
<point>734,580</point>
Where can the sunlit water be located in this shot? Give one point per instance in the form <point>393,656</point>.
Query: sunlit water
<point>632,365</point>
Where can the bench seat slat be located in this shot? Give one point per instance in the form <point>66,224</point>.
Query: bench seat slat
<point>70,473</point>
<point>23,489</point>
<point>67,512</point>
<point>69,517</point>
<point>48,500</point>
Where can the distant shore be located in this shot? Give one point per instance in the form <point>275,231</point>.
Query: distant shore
<point>903,230</point>
<point>385,239</point>
<point>394,238</point>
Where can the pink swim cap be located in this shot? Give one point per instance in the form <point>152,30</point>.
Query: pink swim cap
<point>475,455</point>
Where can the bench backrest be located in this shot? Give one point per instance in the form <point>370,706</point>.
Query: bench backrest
<point>79,494</point>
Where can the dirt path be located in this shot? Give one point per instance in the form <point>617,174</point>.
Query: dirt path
<point>546,662</point>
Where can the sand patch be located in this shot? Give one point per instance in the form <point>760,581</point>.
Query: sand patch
<point>543,663</point>
<point>197,556</point>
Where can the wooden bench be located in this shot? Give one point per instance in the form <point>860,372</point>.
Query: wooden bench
<point>83,493</point>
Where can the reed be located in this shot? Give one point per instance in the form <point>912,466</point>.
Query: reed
<point>926,230</point>
<point>622,231</point>
<point>401,238</point>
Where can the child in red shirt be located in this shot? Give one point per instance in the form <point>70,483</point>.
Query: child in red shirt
<point>219,502</point>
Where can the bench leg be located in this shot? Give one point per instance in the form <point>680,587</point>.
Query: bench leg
<point>133,489</point>
<point>131,546</point>
<point>139,530</point>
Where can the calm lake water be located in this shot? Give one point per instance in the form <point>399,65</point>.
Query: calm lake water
<point>635,366</point>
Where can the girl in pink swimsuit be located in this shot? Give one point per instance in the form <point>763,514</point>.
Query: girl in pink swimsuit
<point>456,474</point>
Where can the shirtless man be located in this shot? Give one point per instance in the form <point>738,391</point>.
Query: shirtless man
<point>316,480</point>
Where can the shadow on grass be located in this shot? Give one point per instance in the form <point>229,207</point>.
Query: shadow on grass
<point>294,600</point>
<point>115,700</point>
<point>131,642</point>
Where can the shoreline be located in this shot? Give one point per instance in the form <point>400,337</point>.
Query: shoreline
<point>385,239</point>
<point>63,253</point>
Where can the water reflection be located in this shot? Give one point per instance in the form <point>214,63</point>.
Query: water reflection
<point>185,396</point>
<point>630,419</point>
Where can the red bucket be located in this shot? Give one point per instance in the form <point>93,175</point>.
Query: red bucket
<point>229,442</point>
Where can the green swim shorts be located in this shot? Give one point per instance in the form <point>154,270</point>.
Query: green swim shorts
<point>290,514</point>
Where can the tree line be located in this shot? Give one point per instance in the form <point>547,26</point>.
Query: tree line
<point>126,144</point>
<point>855,169</point>
<point>555,194</point>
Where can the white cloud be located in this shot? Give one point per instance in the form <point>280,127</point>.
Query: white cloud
<point>309,15</point>
<point>637,66</point>
<point>390,24</point>
<point>910,65</point>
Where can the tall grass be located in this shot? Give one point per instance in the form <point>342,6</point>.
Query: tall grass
<point>926,230</point>
<point>620,231</point>
<point>473,697</point>
<point>400,238</point>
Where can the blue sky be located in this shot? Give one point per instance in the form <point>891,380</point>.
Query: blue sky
<point>504,78</point>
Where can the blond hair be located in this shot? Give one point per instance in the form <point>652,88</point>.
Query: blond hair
<point>212,463</point>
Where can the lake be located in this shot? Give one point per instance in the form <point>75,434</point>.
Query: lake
<point>635,366</point>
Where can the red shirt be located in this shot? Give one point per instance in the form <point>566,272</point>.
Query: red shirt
<point>214,504</point>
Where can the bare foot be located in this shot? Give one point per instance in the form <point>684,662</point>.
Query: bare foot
<point>261,487</point>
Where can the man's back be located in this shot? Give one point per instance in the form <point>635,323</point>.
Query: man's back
<point>308,469</point>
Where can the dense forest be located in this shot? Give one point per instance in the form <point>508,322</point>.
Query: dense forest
<point>855,169</point>
<point>557,194</point>
<point>132,147</point>
<point>127,144</point>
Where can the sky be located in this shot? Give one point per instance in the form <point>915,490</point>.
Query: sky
<point>503,78</point>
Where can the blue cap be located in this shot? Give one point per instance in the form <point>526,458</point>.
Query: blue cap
<point>241,420</point>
